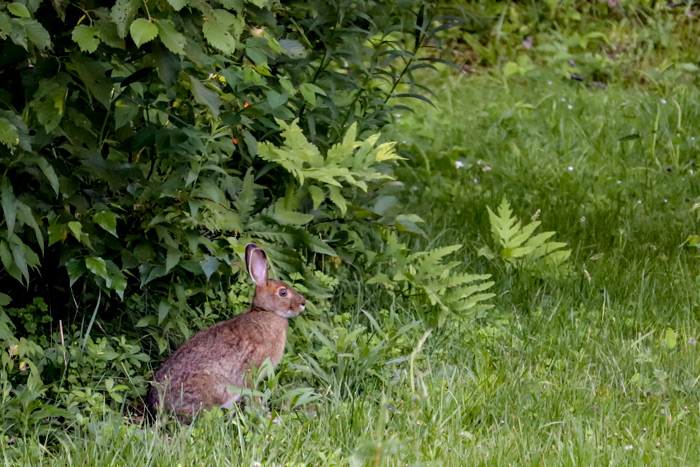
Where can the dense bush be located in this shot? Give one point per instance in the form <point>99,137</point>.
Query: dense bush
<point>143,144</point>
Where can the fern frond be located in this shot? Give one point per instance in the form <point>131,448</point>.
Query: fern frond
<point>521,248</point>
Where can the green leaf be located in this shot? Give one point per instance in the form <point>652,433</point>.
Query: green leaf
<point>384,204</point>
<point>76,229</point>
<point>319,246</point>
<point>407,223</point>
<point>49,102</point>
<point>93,74</point>
<point>9,205</point>
<point>163,310</point>
<point>26,216</point>
<point>317,195</point>
<point>75,268</point>
<point>115,279</point>
<point>173,40</point>
<point>49,173</point>
<point>107,220</point>
<point>147,320</point>
<point>256,55</point>
<point>289,217</point>
<point>4,300</point>
<point>125,112</point>
<point>511,68</point>
<point>20,257</point>
<point>87,38</point>
<point>178,4</point>
<point>123,13</point>
<point>56,233</point>
<point>143,31</point>
<point>9,136</point>
<point>8,262</point>
<point>171,259</point>
<point>670,338</point>
<point>520,248</point>
<point>97,266</point>
<point>209,265</point>
<point>309,92</point>
<point>276,99</point>
<point>337,198</point>
<point>109,33</point>
<point>19,10</point>
<point>37,34</point>
<point>206,96</point>
<point>217,31</point>
<point>245,202</point>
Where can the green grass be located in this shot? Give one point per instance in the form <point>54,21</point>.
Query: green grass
<point>598,367</point>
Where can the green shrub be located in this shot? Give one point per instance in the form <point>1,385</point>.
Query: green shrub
<point>143,144</point>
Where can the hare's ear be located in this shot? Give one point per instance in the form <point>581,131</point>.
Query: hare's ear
<point>256,263</point>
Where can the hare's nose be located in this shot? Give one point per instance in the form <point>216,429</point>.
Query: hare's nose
<point>302,306</point>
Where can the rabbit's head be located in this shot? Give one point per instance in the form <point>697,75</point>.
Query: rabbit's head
<point>270,295</point>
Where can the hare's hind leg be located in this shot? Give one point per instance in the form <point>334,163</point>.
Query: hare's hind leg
<point>199,392</point>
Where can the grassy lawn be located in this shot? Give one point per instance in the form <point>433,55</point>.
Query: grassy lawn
<point>599,365</point>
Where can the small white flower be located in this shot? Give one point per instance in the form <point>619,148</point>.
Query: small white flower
<point>398,115</point>
<point>628,447</point>
<point>476,180</point>
<point>549,82</point>
<point>563,99</point>
<point>619,182</point>
<point>571,168</point>
<point>639,201</point>
<point>663,101</point>
<point>665,200</point>
<point>256,464</point>
<point>692,138</point>
<point>459,164</point>
<point>570,106</point>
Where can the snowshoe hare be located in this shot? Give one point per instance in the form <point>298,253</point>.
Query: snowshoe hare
<point>202,372</point>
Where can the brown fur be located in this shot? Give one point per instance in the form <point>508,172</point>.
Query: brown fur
<point>201,372</point>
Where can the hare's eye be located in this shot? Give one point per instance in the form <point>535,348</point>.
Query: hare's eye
<point>282,292</point>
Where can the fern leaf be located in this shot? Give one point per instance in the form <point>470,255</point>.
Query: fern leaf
<point>461,279</point>
<point>504,226</point>
<point>245,202</point>
<point>521,248</point>
<point>523,235</point>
